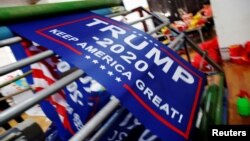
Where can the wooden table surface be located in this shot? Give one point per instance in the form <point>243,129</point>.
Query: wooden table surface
<point>237,78</point>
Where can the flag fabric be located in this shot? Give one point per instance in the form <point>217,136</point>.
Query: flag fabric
<point>128,128</point>
<point>19,54</point>
<point>153,82</point>
<point>70,108</point>
<point>43,77</point>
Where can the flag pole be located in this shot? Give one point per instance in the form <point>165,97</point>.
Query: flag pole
<point>11,67</point>
<point>11,112</point>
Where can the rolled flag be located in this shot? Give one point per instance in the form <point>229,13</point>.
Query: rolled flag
<point>5,33</point>
<point>76,103</point>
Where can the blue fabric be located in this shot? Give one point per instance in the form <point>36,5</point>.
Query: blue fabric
<point>5,33</point>
<point>83,101</point>
<point>128,128</point>
<point>19,54</point>
<point>104,11</point>
<point>153,82</point>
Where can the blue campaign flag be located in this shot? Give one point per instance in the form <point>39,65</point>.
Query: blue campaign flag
<point>153,82</point>
<point>19,54</point>
<point>127,128</point>
<point>70,109</point>
<point>84,96</point>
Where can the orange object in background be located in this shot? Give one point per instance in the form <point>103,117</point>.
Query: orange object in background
<point>240,54</point>
<point>246,53</point>
<point>165,31</point>
<point>207,10</point>
<point>201,22</point>
<point>179,25</point>
<point>243,94</point>
<point>236,52</point>
<point>211,47</point>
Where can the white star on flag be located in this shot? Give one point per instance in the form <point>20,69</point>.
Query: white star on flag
<point>102,67</point>
<point>87,57</point>
<point>118,79</point>
<point>95,61</point>
<point>110,73</point>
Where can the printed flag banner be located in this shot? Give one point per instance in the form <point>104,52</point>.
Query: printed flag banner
<point>70,108</point>
<point>85,97</point>
<point>160,88</point>
<point>55,106</point>
<point>19,54</point>
<point>128,128</point>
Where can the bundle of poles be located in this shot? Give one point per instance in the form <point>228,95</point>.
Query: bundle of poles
<point>16,14</point>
